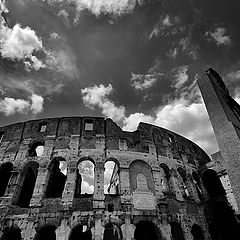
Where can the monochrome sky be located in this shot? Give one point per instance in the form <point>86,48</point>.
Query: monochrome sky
<point>130,60</point>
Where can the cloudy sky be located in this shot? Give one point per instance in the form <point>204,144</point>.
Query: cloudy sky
<point>130,60</point>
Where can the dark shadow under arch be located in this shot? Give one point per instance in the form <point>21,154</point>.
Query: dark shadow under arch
<point>78,234</point>
<point>197,232</point>
<point>176,231</point>
<point>11,233</point>
<point>213,184</point>
<point>30,172</point>
<point>221,220</point>
<point>146,230</point>
<point>5,174</point>
<point>112,232</point>
<point>46,232</point>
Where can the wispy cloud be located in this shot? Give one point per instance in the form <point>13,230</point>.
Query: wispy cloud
<point>219,35</point>
<point>142,81</point>
<point>180,76</point>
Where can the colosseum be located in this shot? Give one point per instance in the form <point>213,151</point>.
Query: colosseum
<point>156,189</point>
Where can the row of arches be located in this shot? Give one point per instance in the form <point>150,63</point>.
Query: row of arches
<point>143,230</point>
<point>56,179</point>
<point>84,182</point>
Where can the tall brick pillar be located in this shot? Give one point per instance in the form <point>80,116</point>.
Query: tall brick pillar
<point>224,114</point>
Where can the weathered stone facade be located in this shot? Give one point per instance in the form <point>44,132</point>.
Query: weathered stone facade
<point>158,181</point>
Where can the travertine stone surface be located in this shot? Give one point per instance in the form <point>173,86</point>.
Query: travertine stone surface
<point>138,156</point>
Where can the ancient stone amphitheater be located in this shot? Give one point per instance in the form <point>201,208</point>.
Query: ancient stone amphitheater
<point>155,190</point>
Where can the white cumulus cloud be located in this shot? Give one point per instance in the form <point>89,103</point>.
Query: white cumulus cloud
<point>10,106</point>
<point>37,104</point>
<point>188,120</point>
<point>19,43</point>
<point>98,96</point>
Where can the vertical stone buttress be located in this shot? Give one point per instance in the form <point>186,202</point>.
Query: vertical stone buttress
<point>224,125</point>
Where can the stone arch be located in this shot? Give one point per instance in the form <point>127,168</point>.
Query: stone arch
<point>5,174</point>
<point>57,175</point>
<point>176,231</point>
<point>140,167</point>
<point>183,181</point>
<point>46,231</point>
<point>197,232</point>
<point>86,159</point>
<point>36,148</point>
<point>147,230</point>
<point>213,184</point>
<point>10,233</point>
<point>28,180</point>
<point>111,176</point>
<point>221,220</point>
<point>197,183</point>
<point>112,232</point>
<point>114,220</point>
<point>82,175</point>
<point>78,232</point>
<point>165,177</point>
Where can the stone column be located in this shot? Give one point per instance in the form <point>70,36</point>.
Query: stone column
<point>69,189</point>
<point>98,196</point>
<point>40,186</point>
<point>174,186</point>
<point>157,178</point>
<point>192,188</point>
<point>98,228</point>
<point>125,186</point>
<point>13,188</point>
<point>30,232</point>
<point>63,231</point>
<point>128,228</point>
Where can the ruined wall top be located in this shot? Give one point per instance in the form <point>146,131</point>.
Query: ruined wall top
<point>145,139</point>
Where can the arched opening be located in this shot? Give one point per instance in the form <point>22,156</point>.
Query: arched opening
<point>36,149</point>
<point>183,182</point>
<point>221,220</point>
<point>111,177</point>
<point>85,179</point>
<point>165,176</point>
<point>197,183</point>
<point>80,232</point>
<point>147,230</point>
<point>112,232</point>
<point>57,177</point>
<point>213,184</point>
<point>176,231</point>
<point>46,232</point>
<point>139,167</point>
<point>5,174</point>
<point>29,176</point>
<point>197,232</point>
<point>10,233</point>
